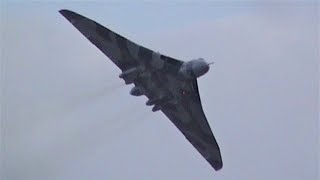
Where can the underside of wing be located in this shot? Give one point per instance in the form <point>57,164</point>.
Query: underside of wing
<point>157,77</point>
<point>123,52</point>
<point>188,116</point>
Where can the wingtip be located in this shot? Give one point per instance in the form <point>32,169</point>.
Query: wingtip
<point>216,164</point>
<point>70,15</point>
<point>218,168</point>
<point>63,11</point>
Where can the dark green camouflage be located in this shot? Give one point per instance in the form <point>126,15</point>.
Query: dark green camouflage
<point>157,77</point>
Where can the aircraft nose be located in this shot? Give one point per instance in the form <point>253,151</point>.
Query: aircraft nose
<point>205,67</point>
<point>200,68</point>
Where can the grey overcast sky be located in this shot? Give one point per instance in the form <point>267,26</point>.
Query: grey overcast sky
<point>66,115</point>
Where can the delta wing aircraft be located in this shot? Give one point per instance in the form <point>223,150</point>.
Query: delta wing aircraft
<point>169,84</point>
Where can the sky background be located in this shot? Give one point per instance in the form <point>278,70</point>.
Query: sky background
<point>65,114</point>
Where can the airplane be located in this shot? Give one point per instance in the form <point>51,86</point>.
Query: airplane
<point>169,84</point>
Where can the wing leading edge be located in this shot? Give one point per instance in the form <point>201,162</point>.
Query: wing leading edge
<point>185,112</point>
<point>123,52</point>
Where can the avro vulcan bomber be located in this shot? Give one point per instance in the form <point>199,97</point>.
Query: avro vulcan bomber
<point>169,84</point>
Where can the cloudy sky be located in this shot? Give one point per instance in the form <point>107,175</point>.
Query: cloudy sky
<point>65,114</point>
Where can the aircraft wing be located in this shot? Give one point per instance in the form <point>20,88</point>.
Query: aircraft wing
<point>123,52</point>
<point>189,118</point>
<point>157,76</point>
